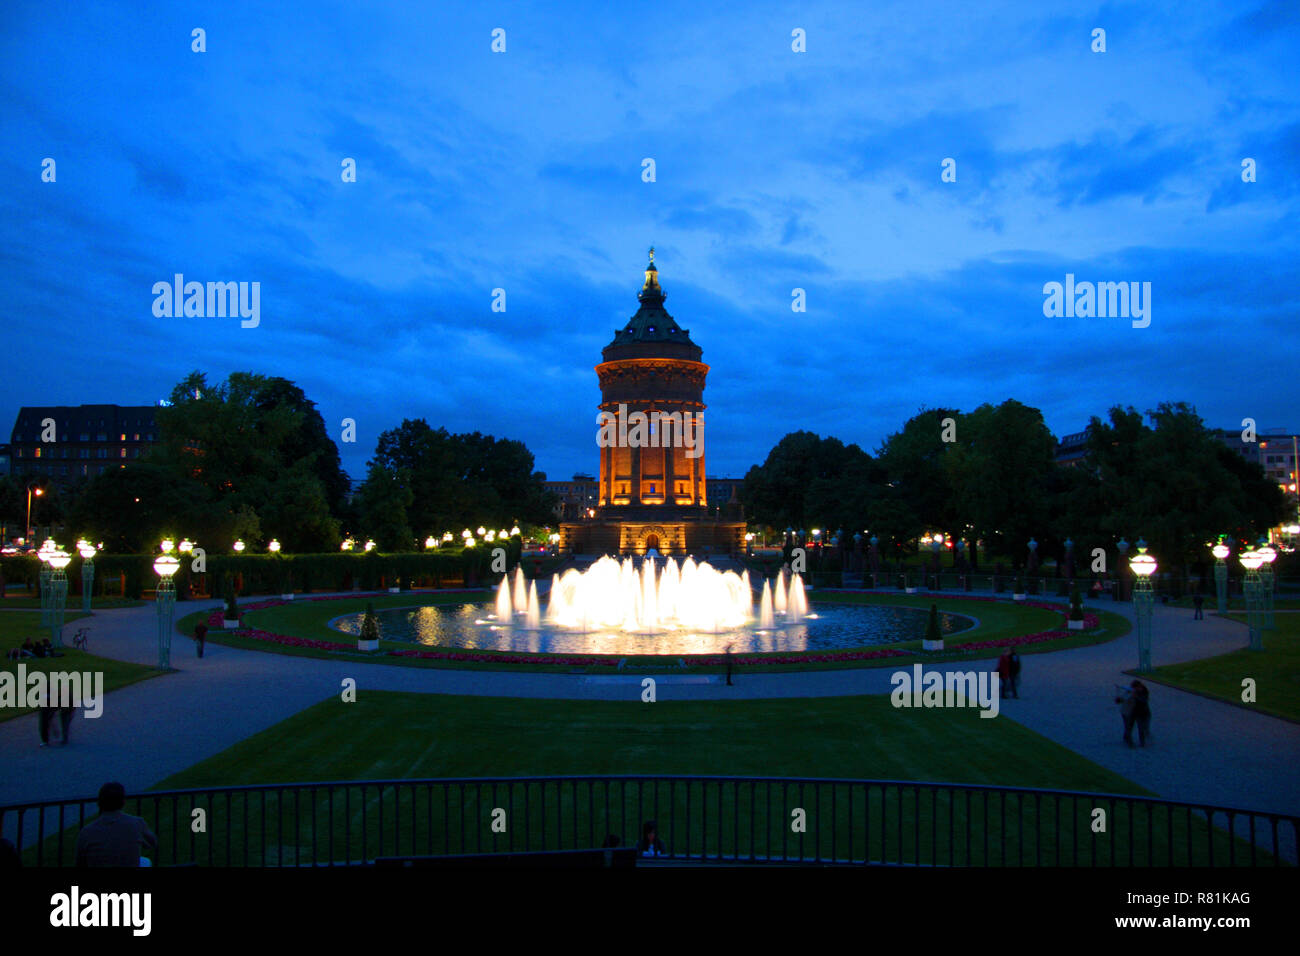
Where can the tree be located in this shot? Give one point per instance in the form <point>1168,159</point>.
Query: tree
<point>469,479</point>
<point>915,461</point>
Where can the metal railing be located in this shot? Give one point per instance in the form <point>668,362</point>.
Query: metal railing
<point>699,818</point>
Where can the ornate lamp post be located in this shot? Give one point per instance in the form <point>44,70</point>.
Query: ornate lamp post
<point>1269,555</point>
<point>238,547</point>
<point>1251,561</point>
<point>43,554</point>
<point>165,599</point>
<point>936,543</point>
<point>1221,552</point>
<point>87,552</point>
<point>1143,566</point>
<point>58,560</point>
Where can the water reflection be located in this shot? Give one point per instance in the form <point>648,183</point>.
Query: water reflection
<point>476,627</point>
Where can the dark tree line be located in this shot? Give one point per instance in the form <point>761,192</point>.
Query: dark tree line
<point>990,475</point>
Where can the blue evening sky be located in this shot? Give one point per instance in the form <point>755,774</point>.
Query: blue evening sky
<point>776,170</point>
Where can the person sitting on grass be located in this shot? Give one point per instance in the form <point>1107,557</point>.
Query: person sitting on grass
<point>49,649</point>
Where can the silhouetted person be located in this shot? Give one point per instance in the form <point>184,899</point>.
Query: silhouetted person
<point>200,635</point>
<point>1004,673</point>
<point>1135,708</point>
<point>1199,602</point>
<point>114,838</point>
<point>650,844</point>
<point>729,684</point>
<point>1014,660</point>
<point>44,718</point>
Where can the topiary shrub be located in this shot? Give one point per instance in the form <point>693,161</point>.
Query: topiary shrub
<point>368,639</point>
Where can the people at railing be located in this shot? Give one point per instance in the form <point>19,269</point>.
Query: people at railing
<point>651,845</point>
<point>114,838</point>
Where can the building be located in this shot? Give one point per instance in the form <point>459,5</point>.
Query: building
<point>1072,449</point>
<point>652,493</point>
<point>63,443</point>
<point>575,497</point>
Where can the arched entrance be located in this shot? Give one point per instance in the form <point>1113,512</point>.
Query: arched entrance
<point>652,543</point>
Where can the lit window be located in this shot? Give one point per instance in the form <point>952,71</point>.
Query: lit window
<point>123,438</point>
<point>121,453</point>
<point>38,453</point>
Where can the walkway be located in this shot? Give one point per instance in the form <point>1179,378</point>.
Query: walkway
<point>1203,750</point>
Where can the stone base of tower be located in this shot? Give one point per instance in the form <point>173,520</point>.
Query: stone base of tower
<point>631,533</point>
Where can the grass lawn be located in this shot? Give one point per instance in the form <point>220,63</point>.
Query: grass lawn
<point>1276,671</point>
<point>997,620</point>
<point>404,736</point>
<point>17,626</point>
<point>101,602</point>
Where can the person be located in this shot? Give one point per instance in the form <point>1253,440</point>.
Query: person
<point>1004,673</point>
<point>200,634</point>
<point>28,649</point>
<point>38,649</point>
<point>1014,660</point>
<point>49,649</point>
<point>44,718</point>
<point>65,718</point>
<point>1199,602</point>
<point>1142,711</point>
<point>114,838</point>
<point>729,684</point>
<point>1135,709</point>
<point>650,844</point>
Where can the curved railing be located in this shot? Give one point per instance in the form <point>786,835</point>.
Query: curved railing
<point>699,818</point>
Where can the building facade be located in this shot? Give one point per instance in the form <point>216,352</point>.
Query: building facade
<point>651,488</point>
<point>63,443</point>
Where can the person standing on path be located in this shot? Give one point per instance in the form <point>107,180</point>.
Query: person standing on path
<point>1004,673</point>
<point>729,684</point>
<point>200,635</point>
<point>1135,708</point>
<point>1199,602</point>
<point>1014,660</point>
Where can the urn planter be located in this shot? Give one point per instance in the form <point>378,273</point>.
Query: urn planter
<point>1075,625</point>
<point>931,645</point>
<point>367,645</point>
<point>229,624</point>
<point>1017,597</point>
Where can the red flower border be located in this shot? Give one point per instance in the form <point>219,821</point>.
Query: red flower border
<point>215,620</point>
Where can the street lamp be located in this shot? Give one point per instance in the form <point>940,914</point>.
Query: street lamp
<point>1221,552</point>
<point>32,489</point>
<point>273,546</point>
<point>370,546</point>
<point>238,547</point>
<point>1143,566</point>
<point>165,599</point>
<point>1121,592</point>
<point>430,542</point>
<point>1251,561</point>
<point>58,560</point>
<point>1269,555</point>
<point>87,552</point>
<point>348,544</point>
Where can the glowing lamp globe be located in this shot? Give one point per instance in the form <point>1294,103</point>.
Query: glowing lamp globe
<point>348,544</point>
<point>514,530</point>
<point>446,536</point>
<point>431,542</point>
<point>481,531</point>
<point>1220,551</point>
<point>467,534</point>
<point>59,560</point>
<point>370,546</point>
<point>273,546</point>
<point>167,545</point>
<point>186,546</point>
<point>469,542</point>
<point>239,546</point>
<point>86,550</point>
<point>1251,560</point>
<point>1143,565</point>
<point>166,566</point>
<point>1267,553</point>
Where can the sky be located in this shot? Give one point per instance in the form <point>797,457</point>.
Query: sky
<point>774,170</point>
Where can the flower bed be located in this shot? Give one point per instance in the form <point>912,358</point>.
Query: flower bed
<point>709,660</point>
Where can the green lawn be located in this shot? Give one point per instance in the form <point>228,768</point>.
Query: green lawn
<point>1276,670</point>
<point>404,736</point>
<point>997,620</point>
<point>97,602</point>
<point>17,626</point>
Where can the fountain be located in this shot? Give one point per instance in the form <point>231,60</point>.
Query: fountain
<point>765,619</point>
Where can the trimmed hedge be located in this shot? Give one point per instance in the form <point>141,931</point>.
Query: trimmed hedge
<point>131,574</point>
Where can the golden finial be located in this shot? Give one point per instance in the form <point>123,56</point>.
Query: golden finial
<point>652,253</point>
